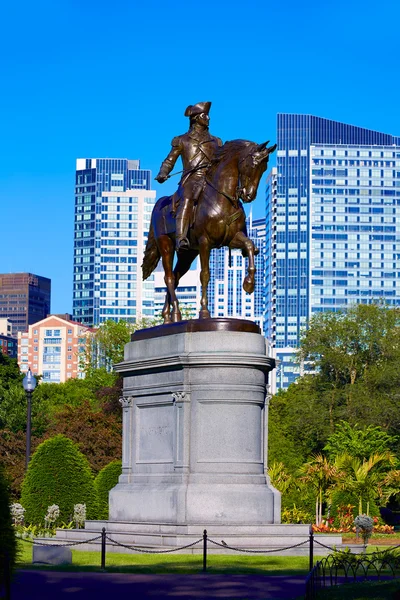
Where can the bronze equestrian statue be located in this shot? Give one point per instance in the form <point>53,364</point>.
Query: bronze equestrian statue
<point>196,149</point>
<point>208,207</point>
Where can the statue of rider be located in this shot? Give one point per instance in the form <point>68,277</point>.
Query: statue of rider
<point>196,149</point>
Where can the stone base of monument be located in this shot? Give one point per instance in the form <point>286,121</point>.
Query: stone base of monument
<point>195,427</point>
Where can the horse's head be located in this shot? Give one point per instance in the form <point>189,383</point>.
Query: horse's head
<point>251,167</point>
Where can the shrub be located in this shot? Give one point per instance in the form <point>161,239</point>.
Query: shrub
<point>8,543</point>
<point>296,515</point>
<point>344,498</point>
<point>59,474</point>
<point>104,482</point>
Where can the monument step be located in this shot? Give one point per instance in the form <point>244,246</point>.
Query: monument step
<point>197,530</point>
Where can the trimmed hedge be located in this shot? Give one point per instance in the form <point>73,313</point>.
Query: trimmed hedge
<point>104,482</point>
<point>8,542</point>
<point>58,473</point>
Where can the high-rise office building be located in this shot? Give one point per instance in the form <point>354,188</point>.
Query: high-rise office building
<point>225,291</point>
<point>333,226</point>
<point>24,299</point>
<point>113,204</point>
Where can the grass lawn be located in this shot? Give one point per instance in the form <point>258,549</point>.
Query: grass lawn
<point>388,590</point>
<point>175,563</point>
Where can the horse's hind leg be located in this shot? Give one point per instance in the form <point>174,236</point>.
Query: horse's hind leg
<point>183,264</point>
<point>245,244</point>
<point>167,250</point>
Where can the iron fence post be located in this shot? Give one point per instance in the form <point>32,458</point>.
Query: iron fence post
<point>103,549</point>
<point>205,550</point>
<point>311,565</point>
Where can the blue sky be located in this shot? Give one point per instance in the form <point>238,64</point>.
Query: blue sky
<point>98,79</point>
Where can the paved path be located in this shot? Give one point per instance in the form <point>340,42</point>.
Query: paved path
<point>55,585</point>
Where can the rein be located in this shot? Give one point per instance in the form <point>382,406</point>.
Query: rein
<point>233,201</point>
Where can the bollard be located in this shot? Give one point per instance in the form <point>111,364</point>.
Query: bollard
<point>103,549</point>
<point>311,565</point>
<point>204,550</point>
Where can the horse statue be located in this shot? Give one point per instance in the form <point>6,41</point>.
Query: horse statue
<point>219,220</point>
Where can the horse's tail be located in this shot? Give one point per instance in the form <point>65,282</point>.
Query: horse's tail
<point>151,254</point>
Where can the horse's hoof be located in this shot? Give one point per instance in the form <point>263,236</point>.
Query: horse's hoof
<point>176,317</point>
<point>167,320</point>
<point>204,314</point>
<point>248,285</point>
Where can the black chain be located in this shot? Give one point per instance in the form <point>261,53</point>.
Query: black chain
<point>256,551</point>
<point>139,549</point>
<point>36,543</point>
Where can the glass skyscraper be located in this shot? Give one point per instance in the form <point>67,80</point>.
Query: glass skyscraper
<point>333,226</point>
<point>113,204</point>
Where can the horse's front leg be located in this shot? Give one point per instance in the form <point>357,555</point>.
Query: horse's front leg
<point>167,250</point>
<point>204,251</point>
<point>246,245</point>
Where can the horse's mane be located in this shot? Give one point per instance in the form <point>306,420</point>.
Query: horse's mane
<point>228,151</point>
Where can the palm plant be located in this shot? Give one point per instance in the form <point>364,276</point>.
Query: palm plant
<point>364,477</point>
<point>320,473</point>
<point>280,478</point>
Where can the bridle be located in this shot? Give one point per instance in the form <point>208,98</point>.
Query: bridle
<point>233,199</point>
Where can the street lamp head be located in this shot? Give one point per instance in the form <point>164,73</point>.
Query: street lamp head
<point>29,381</point>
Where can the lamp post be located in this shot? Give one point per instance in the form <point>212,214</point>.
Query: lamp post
<point>29,383</point>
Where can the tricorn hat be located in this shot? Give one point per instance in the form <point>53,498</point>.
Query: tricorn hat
<point>197,109</point>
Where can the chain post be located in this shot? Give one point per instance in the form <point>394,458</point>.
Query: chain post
<point>204,550</point>
<point>103,549</point>
<point>311,564</point>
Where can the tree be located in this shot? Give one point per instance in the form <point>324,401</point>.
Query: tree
<point>363,477</point>
<point>320,474</point>
<point>106,344</point>
<point>97,433</point>
<point>8,543</point>
<point>9,371</point>
<point>356,357</point>
<point>344,345</point>
<point>58,473</point>
<point>359,443</point>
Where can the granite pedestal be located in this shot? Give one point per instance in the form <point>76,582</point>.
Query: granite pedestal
<point>195,427</point>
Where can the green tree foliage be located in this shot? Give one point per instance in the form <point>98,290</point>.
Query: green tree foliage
<point>9,372</point>
<point>58,473</point>
<point>104,482</point>
<point>97,433</point>
<point>108,341</point>
<point>345,345</point>
<point>359,443</point>
<point>8,542</point>
<point>363,478</point>
<point>356,357</point>
<point>13,410</point>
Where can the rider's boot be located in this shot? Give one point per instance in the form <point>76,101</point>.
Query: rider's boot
<point>182,225</point>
